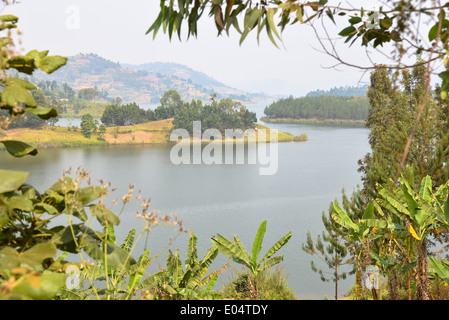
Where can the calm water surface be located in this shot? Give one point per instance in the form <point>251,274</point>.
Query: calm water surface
<point>226,199</point>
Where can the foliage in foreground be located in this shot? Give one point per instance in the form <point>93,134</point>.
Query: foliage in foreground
<point>272,285</point>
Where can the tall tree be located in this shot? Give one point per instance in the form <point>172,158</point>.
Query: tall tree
<point>88,125</point>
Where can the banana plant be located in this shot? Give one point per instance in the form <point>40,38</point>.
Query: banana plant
<point>190,281</point>
<point>235,251</point>
<point>422,212</point>
<point>361,232</point>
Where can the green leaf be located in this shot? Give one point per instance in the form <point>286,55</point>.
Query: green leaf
<point>276,247</point>
<point>440,269</point>
<point>117,257</point>
<point>355,20</point>
<point>9,18</point>
<point>89,194</point>
<point>65,237</point>
<point>19,148</point>
<point>209,286</point>
<point>257,245</point>
<point>19,202</point>
<point>103,215</point>
<point>129,240</point>
<point>270,18</point>
<point>19,82</point>
<point>30,259</point>
<point>4,217</point>
<point>11,180</point>
<point>42,112</point>
<point>386,23</point>
<point>33,257</point>
<point>369,212</point>
<point>15,95</point>
<point>48,286</point>
<point>348,31</point>
<point>347,222</point>
<point>271,262</point>
<point>52,63</point>
<point>44,207</point>
<point>231,250</point>
<point>426,188</point>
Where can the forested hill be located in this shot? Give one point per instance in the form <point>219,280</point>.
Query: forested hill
<point>140,84</point>
<point>325,107</point>
<point>340,91</point>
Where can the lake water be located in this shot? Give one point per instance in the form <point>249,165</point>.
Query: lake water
<point>227,199</point>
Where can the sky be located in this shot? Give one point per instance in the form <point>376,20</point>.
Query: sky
<point>116,30</point>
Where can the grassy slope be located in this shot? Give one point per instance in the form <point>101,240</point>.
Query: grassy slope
<point>155,132</point>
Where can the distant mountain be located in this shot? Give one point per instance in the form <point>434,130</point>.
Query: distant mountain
<point>142,84</point>
<point>271,87</point>
<point>340,91</point>
<point>171,69</point>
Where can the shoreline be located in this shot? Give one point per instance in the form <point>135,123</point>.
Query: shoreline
<point>333,122</point>
<point>149,133</point>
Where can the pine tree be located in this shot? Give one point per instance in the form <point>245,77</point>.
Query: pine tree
<point>334,253</point>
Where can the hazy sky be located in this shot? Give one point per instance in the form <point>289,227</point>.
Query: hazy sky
<point>116,30</point>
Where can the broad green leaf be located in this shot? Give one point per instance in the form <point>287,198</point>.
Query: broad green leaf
<point>19,82</point>
<point>50,64</point>
<point>344,217</point>
<point>89,194</point>
<point>440,269</point>
<point>270,262</point>
<point>61,186</point>
<point>381,224</point>
<point>63,237</point>
<point>276,247</point>
<point>15,95</point>
<point>42,112</point>
<point>103,215</point>
<point>30,259</point>
<point>209,286</point>
<point>4,217</point>
<point>19,148</point>
<point>9,259</point>
<point>11,180</point>
<point>44,207</point>
<point>22,64</point>
<point>46,288</point>
<point>369,212</point>
<point>257,245</point>
<point>231,250</point>
<point>19,202</point>
<point>394,202</point>
<point>426,188</point>
<point>9,18</point>
<point>33,257</point>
